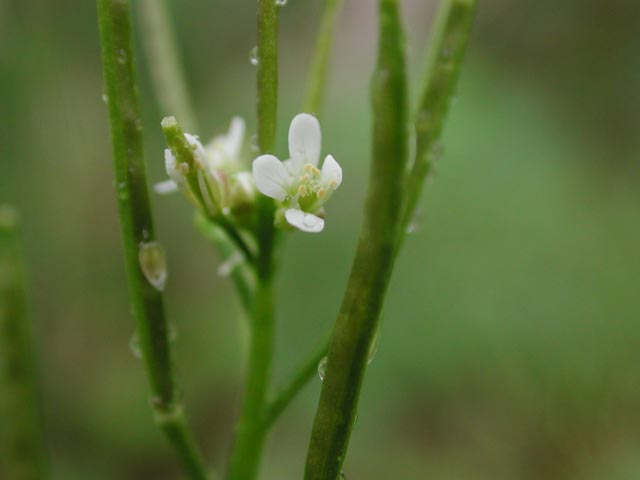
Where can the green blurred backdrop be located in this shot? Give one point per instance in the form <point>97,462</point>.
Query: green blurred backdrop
<point>511,338</point>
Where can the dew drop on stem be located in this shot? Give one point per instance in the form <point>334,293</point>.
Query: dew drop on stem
<point>153,264</point>
<point>134,346</point>
<point>253,57</point>
<point>322,367</point>
<point>254,143</point>
<point>281,3</point>
<point>373,348</point>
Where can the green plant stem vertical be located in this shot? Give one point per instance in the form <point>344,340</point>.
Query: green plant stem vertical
<point>21,442</point>
<point>444,57</point>
<point>137,227</point>
<point>316,80</point>
<point>250,432</point>
<point>357,320</point>
<point>166,71</point>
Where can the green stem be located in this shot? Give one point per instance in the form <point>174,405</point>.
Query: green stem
<point>305,372</point>
<point>167,75</point>
<point>357,321</point>
<point>444,57</point>
<point>21,442</point>
<point>317,78</point>
<point>137,227</point>
<point>250,433</point>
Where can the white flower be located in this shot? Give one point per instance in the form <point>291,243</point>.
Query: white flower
<point>221,183</point>
<point>297,183</point>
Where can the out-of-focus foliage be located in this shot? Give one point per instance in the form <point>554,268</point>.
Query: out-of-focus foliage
<point>509,346</point>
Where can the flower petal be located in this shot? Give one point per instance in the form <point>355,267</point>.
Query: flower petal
<point>166,187</point>
<point>331,173</point>
<point>171,166</point>
<point>271,176</point>
<point>232,141</point>
<point>305,140</point>
<point>199,152</point>
<point>307,222</point>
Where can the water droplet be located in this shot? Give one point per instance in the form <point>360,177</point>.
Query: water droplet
<point>436,151</point>
<point>122,56</point>
<point>253,57</point>
<point>281,3</point>
<point>172,332</point>
<point>322,367</point>
<point>423,121</point>
<point>134,346</point>
<point>373,348</point>
<point>105,98</point>
<point>229,265</point>
<point>153,264</point>
<point>255,147</point>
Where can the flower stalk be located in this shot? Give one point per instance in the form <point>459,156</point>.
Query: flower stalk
<point>137,228</point>
<point>444,58</point>
<point>250,433</point>
<point>317,77</point>
<point>358,318</point>
<point>167,74</point>
<point>21,442</point>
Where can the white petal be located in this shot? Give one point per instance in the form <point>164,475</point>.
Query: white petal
<point>331,172</point>
<point>233,139</point>
<point>245,181</point>
<point>199,152</point>
<point>305,140</point>
<point>166,187</point>
<point>170,165</point>
<point>271,176</point>
<point>306,222</point>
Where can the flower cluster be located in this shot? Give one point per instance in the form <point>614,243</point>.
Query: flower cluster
<point>213,179</point>
<point>220,185</point>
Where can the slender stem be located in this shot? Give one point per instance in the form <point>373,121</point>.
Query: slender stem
<point>357,321</point>
<point>317,77</point>
<point>137,227</point>
<point>165,67</point>
<point>21,442</point>
<point>250,434</point>
<point>241,275</point>
<point>305,372</point>
<point>444,57</point>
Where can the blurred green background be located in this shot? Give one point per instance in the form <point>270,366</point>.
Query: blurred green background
<point>511,338</point>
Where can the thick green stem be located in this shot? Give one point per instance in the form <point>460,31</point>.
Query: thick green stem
<point>21,442</point>
<point>357,321</point>
<point>444,57</point>
<point>137,227</point>
<point>317,77</point>
<point>167,74</point>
